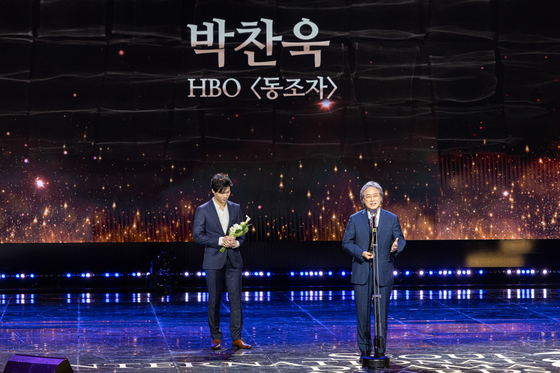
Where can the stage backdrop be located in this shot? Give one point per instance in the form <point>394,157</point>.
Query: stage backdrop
<point>115,114</point>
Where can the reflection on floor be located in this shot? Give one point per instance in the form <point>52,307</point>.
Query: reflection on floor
<point>498,330</point>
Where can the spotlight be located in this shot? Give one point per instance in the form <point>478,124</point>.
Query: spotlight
<point>246,273</point>
<point>480,271</point>
<point>68,275</point>
<point>431,273</point>
<point>343,273</point>
<point>3,276</point>
<point>133,274</point>
<point>200,274</point>
<point>544,272</point>
<point>186,274</point>
<point>292,274</point>
<point>256,273</point>
<point>330,273</point>
<point>268,274</point>
<point>395,273</point>
<point>421,273</point>
<point>107,275</point>
<point>406,273</point>
<point>326,104</point>
<point>301,273</point>
<point>117,274</point>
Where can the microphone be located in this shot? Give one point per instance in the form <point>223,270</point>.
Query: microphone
<point>373,231</point>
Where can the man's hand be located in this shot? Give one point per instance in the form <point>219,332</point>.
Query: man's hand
<point>395,246</point>
<point>367,255</point>
<point>229,241</point>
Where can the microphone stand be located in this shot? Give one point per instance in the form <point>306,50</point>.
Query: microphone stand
<point>376,361</point>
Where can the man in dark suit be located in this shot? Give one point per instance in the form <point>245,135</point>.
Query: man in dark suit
<point>357,242</point>
<point>212,221</point>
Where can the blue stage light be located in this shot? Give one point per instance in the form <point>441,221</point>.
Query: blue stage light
<point>330,273</point>
<point>68,275</point>
<point>316,273</point>
<point>256,273</point>
<point>480,272</point>
<point>431,273</point>
<point>301,273</point>
<point>307,273</point>
<point>107,275</point>
<point>343,273</point>
<point>3,276</point>
<point>268,274</point>
<point>133,274</point>
<point>440,273</point>
<point>406,273</point>
<point>204,274</point>
<point>117,275</point>
<point>292,274</point>
<point>32,275</point>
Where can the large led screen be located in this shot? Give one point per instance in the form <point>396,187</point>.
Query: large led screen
<point>115,114</point>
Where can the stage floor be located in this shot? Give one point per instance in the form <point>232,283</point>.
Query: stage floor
<point>438,330</point>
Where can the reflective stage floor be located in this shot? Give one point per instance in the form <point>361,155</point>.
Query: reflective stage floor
<point>438,330</point>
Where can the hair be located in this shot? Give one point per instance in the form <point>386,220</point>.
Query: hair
<point>220,182</point>
<point>370,184</point>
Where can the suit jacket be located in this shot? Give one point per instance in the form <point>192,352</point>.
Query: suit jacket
<point>357,239</point>
<point>207,230</point>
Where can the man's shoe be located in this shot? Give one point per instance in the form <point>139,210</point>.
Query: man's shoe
<point>216,344</point>
<point>365,354</point>
<point>240,343</point>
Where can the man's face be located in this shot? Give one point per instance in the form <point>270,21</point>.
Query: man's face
<point>372,198</point>
<point>222,196</point>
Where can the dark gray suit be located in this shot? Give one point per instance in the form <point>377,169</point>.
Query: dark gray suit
<point>357,239</point>
<point>206,231</point>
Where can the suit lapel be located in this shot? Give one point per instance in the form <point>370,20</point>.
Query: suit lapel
<point>214,214</point>
<point>365,222</point>
<point>383,228</point>
<point>231,214</point>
